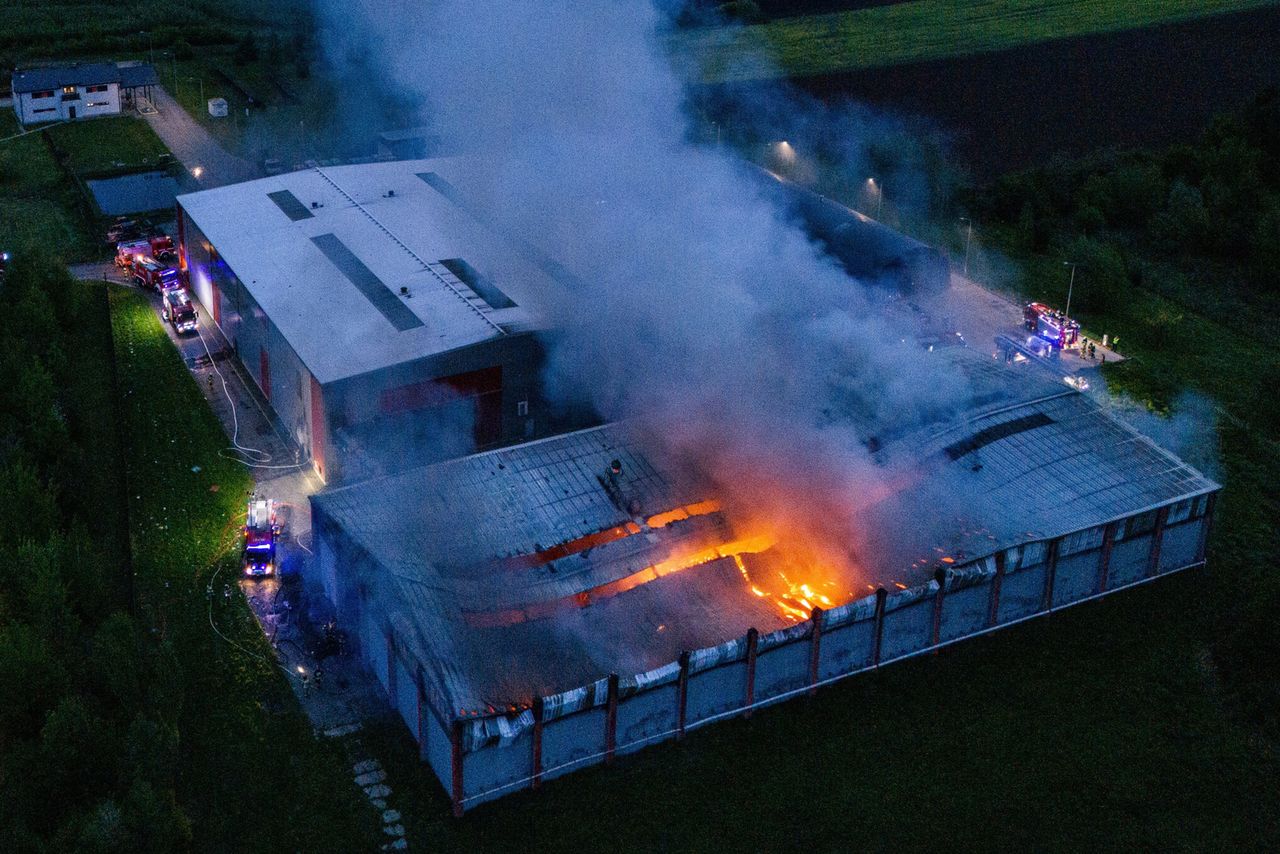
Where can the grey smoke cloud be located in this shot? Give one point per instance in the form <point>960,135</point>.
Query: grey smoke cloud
<point>709,320</point>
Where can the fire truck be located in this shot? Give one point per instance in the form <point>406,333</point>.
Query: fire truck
<point>177,308</point>
<point>1050,325</point>
<point>260,533</point>
<point>150,273</point>
<point>162,249</point>
<point>129,252</point>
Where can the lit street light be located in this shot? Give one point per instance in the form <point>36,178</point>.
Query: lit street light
<point>879,191</point>
<point>197,171</point>
<point>968,236</point>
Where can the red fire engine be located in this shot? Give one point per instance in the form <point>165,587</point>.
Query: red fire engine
<point>1050,324</point>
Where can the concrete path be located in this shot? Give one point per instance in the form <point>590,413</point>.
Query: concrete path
<point>194,146</point>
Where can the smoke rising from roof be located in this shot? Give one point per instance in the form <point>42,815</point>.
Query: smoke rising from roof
<point>709,320</point>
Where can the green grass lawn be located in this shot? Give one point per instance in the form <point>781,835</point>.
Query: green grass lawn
<point>39,207</point>
<point>114,142</point>
<point>252,776</point>
<point>921,30</point>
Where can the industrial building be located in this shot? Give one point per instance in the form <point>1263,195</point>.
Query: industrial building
<point>598,602</point>
<point>379,316</point>
<point>59,93</point>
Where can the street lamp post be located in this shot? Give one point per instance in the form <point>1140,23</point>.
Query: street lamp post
<point>151,47</point>
<point>878,189</point>
<point>1070,285</point>
<point>968,237</point>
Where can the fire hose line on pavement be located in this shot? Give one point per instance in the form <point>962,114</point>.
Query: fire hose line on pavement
<point>251,457</point>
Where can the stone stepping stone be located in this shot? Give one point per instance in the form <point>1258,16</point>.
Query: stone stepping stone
<point>371,777</point>
<point>365,767</point>
<point>379,791</point>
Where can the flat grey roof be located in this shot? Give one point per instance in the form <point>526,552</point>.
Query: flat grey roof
<point>489,566</point>
<point>398,229</point>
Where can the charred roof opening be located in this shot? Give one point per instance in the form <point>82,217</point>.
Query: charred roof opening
<point>995,433</point>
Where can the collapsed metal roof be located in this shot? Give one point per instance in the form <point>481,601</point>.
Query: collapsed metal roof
<point>537,568</point>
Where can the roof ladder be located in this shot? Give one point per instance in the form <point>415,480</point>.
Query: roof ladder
<point>426,265</point>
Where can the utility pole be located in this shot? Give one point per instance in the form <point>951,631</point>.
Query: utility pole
<point>968,237</point>
<point>1070,285</point>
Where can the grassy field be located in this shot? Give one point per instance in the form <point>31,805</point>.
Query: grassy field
<point>39,207</point>
<point>115,142</point>
<point>920,30</point>
<point>251,775</point>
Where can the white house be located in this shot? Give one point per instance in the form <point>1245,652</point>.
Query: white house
<point>68,92</point>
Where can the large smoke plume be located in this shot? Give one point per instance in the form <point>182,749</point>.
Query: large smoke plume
<point>708,319</point>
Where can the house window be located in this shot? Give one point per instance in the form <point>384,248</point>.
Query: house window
<point>68,90</point>
<point>522,408</point>
<point>101,88</point>
<point>48,93</point>
<point>98,104</point>
<point>44,110</point>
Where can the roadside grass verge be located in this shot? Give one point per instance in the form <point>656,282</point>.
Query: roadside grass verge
<point>252,775</point>
<point>919,31</point>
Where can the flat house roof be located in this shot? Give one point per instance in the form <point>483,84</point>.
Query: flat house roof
<point>129,76</point>
<point>325,252</point>
<point>546,587</point>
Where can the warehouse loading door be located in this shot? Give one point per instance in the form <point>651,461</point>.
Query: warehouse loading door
<point>480,390</point>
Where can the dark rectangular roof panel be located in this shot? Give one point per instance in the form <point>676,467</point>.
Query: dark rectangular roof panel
<point>288,202</point>
<point>373,288</point>
<point>57,76</point>
<point>137,76</point>
<point>471,277</point>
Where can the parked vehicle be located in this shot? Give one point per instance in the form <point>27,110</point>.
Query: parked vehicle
<point>129,252</point>
<point>1050,325</point>
<point>150,273</point>
<point>177,308</point>
<point>260,532</point>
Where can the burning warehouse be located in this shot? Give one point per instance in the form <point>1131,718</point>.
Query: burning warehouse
<point>600,599</point>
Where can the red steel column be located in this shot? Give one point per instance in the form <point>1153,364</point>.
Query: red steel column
<point>815,648</point>
<point>682,694</point>
<point>1202,546</point>
<point>753,640</point>
<point>993,608</point>
<point>539,710</point>
<point>940,576</point>
<point>877,640</point>
<point>611,719</point>
<point>455,749</point>
<point>1104,560</point>
<point>1157,540</point>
